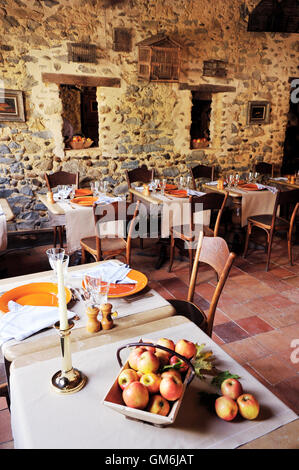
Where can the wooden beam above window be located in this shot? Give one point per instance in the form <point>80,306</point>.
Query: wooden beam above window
<point>208,88</point>
<point>83,80</point>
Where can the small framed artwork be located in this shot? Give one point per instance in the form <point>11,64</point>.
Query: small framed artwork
<point>11,105</point>
<point>258,112</point>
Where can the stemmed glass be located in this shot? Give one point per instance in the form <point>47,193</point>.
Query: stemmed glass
<point>58,254</point>
<point>188,182</point>
<point>163,186</point>
<point>104,186</point>
<point>182,182</point>
<point>250,177</point>
<point>236,179</point>
<point>230,180</point>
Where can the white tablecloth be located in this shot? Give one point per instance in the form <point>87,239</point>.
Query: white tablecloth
<point>255,203</point>
<point>41,418</point>
<point>3,231</point>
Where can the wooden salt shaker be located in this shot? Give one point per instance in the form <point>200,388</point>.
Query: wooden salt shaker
<point>93,324</point>
<point>107,322</point>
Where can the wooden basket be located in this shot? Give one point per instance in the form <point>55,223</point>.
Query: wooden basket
<point>114,400</point>
<point>77,145</point>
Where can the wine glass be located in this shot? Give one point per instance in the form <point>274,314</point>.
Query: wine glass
<point>188,182</point>
<point>104,186</point>
<point>250,177</point>
<point>230,180</point>
<point>182,182</point>
<point>57,254</point>
<point>236,179</point>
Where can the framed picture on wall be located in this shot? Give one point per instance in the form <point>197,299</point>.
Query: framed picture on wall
<point>11,105</point>
<point>258,112</point>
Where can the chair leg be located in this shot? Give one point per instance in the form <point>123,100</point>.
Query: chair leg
<point>171,253</point>
<point>290,249</point>
<point>60,235</point>
<point>269,240</point>
<point>190,250</point>
<point>83,255</point>
<point>247,240</point>
<point>54,236</point>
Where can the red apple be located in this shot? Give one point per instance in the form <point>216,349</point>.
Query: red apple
<point>185,348</point>
<point>183,367</point>
<point>151,381</point>
<point>126,377</point>
<point>226,408</point>
<point>158,405</point>
<point>248,406</point>
<point>136,395</point>
<point>148,362</point>
<point>171,388</point>
<point>171,373</point>
<point>149,348</point>
<point>160,353</point>
<point>231,388</point>
<point>134,355</point>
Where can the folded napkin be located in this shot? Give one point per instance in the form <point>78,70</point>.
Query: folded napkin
<point>62,194</point>
<point>24,320</point>
<point>192,192</point>
<point>212,183</point>
<point>280,178</point>
<point>103,199</point>
<point>269,188</point>
<point>109,271</point>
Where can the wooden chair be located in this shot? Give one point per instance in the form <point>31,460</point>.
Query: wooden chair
<point>272,223</point>
<point>104,247</point>
<point>139,175</point>
<point>52,181</point>
<point>212,201</point>
<point>264,168</point>
<point>214,252</point>
<point>202,171</point>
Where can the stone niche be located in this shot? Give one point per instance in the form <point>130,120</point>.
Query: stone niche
<point>139,121</point>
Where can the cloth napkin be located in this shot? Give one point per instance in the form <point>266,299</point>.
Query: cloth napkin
<point>109,271</point>
<point>212,183</point>
<point>192,192</point>
<point>103,199</point>
<point>64,194</point>
<point>269,188</point>
<point>280,178</point>
<point>24,320</point>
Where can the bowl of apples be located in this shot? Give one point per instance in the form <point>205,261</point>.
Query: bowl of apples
<point>77,142</point>
<point>151,384</point>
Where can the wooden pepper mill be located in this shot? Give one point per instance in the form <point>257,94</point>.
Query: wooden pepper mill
<point>107,322</point>
<point>93,324</point>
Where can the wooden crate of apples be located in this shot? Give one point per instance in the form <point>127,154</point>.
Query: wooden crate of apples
<point>151,384</point>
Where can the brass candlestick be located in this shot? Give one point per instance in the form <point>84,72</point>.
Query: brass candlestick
<point>68,379</point>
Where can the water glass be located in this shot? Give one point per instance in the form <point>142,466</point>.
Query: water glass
<point>97,288</point>
<point>163,186</point>
<point>182,182</point>
<point>188,182</point>
<point>104,186</point>
<point>58,254</point>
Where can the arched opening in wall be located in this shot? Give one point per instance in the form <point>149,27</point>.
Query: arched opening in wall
<point>80,113</point>
<point>200,119</point>
<point>290,163</point>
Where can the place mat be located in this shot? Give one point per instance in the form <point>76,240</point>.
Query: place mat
<point>195,427</point>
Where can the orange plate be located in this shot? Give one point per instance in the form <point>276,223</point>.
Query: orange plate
<point>84,201</point>
<point>123,290</point>
<point>170,187</point>
<point>83,192</point>
<point>37,293</point>
<point>250,187</point>
<point>177,193</point>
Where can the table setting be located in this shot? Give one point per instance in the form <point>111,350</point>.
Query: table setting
<point>195,420</point>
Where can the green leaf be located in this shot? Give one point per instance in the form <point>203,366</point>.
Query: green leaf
<point>202,361</point>
<point>223,376</point>
<point>177,365</point>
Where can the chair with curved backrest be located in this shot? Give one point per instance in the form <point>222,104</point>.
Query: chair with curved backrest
<point>139,175</point>
<point>102,246</point>
<point>214,252</point>
<point>212,201</point>
<point>52,181</point>
<point>289,200</point>
<point>202,171</point>
<point>264,168</point>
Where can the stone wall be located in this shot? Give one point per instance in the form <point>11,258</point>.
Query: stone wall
<point>140,122</point>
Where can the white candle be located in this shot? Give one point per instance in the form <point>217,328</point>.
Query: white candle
<point>61,297</point>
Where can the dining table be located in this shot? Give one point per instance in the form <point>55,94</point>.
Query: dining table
<point>166,210</point>
<point>78,220</point>
<point>41,418</point>
<point>243,203</point>
<point>142,306</point>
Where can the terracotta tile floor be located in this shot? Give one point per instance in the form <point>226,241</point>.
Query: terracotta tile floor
<point>256,320</point>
